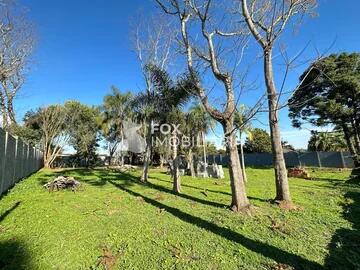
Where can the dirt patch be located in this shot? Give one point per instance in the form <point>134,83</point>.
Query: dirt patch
<point>280,226</point>
<point>159,197</point>
<point>140,200</point>
<point>108,259</point>
<point>279,266</point>
<point>286,205</point>
<point>247,210</point>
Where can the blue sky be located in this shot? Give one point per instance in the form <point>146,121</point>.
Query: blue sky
<point>84,48</point>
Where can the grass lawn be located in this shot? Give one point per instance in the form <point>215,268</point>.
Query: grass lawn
<point>117,223</point>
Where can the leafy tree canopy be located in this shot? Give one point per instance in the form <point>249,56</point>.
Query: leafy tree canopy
<point>259,143</point>
<point>329,92</point>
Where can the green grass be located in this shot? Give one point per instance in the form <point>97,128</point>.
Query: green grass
<point>118,223</point>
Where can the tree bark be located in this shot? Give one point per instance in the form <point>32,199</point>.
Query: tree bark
<point>356,135</point>
<point>147,155</point>
<point>239,198</point>
<point>281,179</point>
<point>204,152</point>
<point>161,161</point>
<point>190,161</point>
<point>3,112</point>
<point>242,160</point>
<point>175,165</point>
<point>351,147</point>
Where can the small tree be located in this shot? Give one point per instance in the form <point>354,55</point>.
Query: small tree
<point>200,122</point>
<point>326,141</point>
<point>116,109</point>
<point>260,142</point>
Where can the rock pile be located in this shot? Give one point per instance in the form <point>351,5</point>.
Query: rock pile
<point>298,172</point>
<point>62,182</point>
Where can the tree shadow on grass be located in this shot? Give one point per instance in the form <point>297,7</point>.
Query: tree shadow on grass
<point>344,249</point>
<point>128,177</point>
<point>7,212</point>
<point>264,249</point>
<point>193,187</point>
<point>14,256</point>
<point>210,190</point>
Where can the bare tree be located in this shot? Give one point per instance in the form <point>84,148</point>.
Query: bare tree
<point>189,15</point>
<point>52,122</point>
<point>16,45</point>
<point>266,20</point>
<point>152,40</point>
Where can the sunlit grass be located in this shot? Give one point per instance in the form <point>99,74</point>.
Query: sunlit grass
<point>115,221</point>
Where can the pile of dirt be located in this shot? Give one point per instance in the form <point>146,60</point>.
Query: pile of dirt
<point>299,172</point>
<point>62,182</point>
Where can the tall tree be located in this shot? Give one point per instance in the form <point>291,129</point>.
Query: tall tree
<point>153,39</point>
<point>208,52</point>
<point>116,109</point>
<point>167,96</point>
<point>83,128</point>
<point>16,45</point>
<point>266,20</point>
<point>329,94</point>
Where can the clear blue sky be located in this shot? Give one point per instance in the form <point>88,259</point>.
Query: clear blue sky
<point>83,48</point>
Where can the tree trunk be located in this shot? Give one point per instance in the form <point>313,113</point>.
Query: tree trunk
<point>281,179</point>
<point>175,165</point>
<point>350,145</point>
<point>11,111</point>
<point>356,135</point>
<point>147,155</point>
<point>161,161</point>
<point>204,152</point>
<point>242,160</point>
<point>190,166</point>
<point>3,111</point>
<point>239,199</point>
<point>46,164</point>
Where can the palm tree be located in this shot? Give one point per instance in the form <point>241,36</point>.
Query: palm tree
<point>244,127</point>
<point>326,141</point>
<point>165,96</point>
<point>116,109</point>
<point>200,122</point>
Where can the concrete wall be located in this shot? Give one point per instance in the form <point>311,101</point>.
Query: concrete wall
<point>294,159</point>
<point>17,160</point>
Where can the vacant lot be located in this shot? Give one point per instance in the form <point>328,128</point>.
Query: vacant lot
<point>114,222</point>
